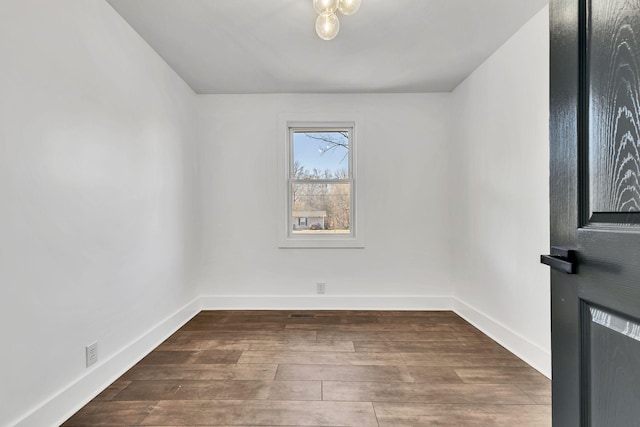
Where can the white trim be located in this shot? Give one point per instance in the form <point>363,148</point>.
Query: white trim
<point>531,353</point>
<point>351,120</point>
<point>70,399</point>
<point>325,302</point>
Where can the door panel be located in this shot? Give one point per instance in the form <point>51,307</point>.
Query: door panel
<point>595,209</point>
<point>614,358</point>
<point>614,91</point>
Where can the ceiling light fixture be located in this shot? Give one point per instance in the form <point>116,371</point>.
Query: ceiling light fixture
<point>328,24</point>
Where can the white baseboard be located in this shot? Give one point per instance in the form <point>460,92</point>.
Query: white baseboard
<point>69,400</point>
<point>325,302</point>
<point>534,355</point>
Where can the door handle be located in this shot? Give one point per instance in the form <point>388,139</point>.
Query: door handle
<point>561,259</point>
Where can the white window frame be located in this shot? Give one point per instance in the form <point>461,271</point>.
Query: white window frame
<point>290,123</point>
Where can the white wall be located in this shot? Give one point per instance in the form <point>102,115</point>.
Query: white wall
<point>499,159</point>
<point>403,145</point>
<point>96,186</point>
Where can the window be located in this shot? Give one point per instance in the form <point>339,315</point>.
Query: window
<point>320,201</point>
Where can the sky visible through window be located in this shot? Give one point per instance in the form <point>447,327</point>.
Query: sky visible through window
<point>321,151</point>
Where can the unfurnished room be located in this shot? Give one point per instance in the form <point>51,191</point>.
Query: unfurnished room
<point>320,213</point>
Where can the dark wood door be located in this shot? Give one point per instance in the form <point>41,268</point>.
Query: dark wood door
<point>595,209</point>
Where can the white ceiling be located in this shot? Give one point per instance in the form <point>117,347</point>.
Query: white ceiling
<point>270,46</point>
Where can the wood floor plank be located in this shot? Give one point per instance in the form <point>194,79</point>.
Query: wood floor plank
<point>321,358</point>
<point>386,336</point>
<point>168,358</point>
<point>221,334</point>
<point>462,360</point>
<point>504,375</point>
<point>505,394</point>
<point>369,327</point>
<point>451,346</point>
<point>109,413</point>
<point>259,413</point>
<point>214,324</point>
<point>303,346</point>
<point>206,357</point>
<point>221,390</point>
<point>336,373</point>
<point>412,415</point>
<point>430,374</point>
<point>177,357</point>
<point>193,344</point>
<point>201,372</point>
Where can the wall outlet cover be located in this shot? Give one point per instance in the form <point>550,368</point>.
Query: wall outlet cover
<point>92,353</point>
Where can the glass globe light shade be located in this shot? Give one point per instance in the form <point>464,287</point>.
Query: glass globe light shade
<point>323,6</point>
<point>349,7</point>
<point>327,26</point>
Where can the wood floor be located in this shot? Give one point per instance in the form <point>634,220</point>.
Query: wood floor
<point>357,368</point>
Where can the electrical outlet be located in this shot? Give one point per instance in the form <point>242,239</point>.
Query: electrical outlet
<point>92,353</point>
<point>320,288</point>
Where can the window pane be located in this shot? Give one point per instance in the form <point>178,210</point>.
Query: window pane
<point>320,155</point>
<point>320,208</point>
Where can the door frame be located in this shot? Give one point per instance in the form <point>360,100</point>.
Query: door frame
<point>567,125</point>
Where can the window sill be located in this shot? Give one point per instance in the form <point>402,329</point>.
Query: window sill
<point>311,243</point>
